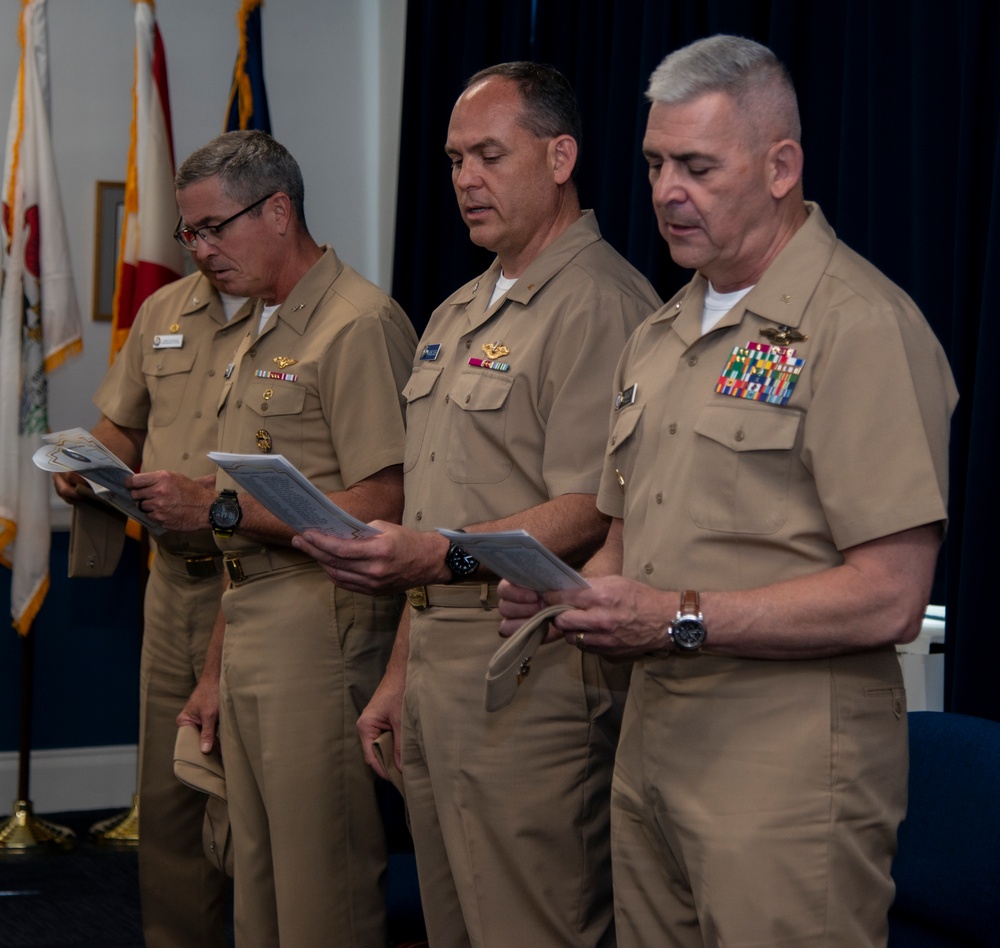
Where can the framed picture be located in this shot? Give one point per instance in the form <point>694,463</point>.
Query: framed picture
<point>109,218</point>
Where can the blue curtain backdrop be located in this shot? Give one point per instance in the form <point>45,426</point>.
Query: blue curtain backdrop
<point>900,105</point>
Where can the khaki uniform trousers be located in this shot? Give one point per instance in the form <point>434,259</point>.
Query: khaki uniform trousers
<point>182,894</point>
<point>509,810</point>
<point>300,662</point>
<point>755,803</point>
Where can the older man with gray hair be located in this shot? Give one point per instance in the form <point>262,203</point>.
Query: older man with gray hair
<point>776,473</point>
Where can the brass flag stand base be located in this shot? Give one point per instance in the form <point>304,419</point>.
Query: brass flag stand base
<point>24,832</point>
<point>120,831</point>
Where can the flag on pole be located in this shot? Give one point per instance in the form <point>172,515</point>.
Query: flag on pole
<point>39,319</point>
<point>148,257</point>
<point>247,96</point>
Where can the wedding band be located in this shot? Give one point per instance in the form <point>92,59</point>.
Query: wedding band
<point>579,639</point>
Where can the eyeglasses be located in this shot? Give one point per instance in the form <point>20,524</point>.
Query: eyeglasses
<point>187,237</point>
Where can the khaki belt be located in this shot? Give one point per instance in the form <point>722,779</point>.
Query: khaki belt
<point>201,567</point>
<point>456,596</point>
<point>243,567</point>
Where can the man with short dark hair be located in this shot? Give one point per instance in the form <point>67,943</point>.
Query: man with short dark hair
<point>317,379</point>
<point>776,471</point>
<point>509,811</point>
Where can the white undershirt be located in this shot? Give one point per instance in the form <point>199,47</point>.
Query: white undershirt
<point>231,304</point>
<point>718,304</point>
<point>503,285</point>
<point>265,315</point>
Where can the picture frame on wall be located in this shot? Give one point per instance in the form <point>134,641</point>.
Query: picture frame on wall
<point>109,217</point>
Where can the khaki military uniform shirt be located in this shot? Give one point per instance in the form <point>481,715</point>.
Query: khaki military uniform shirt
<point>485,443</point>
<point>321,384</point>
<point>171,391</point>
<point>724,492</point>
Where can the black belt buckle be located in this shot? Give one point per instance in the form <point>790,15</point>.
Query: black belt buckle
<point>234,569</point>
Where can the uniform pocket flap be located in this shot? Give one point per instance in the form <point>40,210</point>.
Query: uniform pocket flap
<point>284,399</point>
<point>624,427</point>
<point>749,429</point>
<point>481,392</point>
<point>421,383</point>
<point>163,362</point>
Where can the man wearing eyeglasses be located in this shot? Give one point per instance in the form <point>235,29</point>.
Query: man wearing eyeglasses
<point>158,404</point>
<point>317,379</point>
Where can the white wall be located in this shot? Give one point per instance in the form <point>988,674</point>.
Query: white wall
<point>334,80</point>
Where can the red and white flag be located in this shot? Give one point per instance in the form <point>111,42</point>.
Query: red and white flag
<point>149,257</point>
<point>39,319</point>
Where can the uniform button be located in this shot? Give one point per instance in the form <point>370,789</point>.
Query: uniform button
<point>185,456</point>
<point>252,353</point>
<point>263,406</point>
<point>740,435</point>
<point>672,427</point>
<point>659,498</point>
<point>432,455</point>
<point>693,361</point>
<point>614,438</point>
<point>239,402</point>
<point>648,568</point>
<point>197,414</point>
<point>211,373</point>
<point>447,399</point>
<point>468,344</point>
<point>468,398</point>
<point>420,515</point>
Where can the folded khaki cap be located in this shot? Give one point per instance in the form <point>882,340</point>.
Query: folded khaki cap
<point>96,539</point>
<point>383,748</point>
<point>201,771</point>
<point>512,661</point>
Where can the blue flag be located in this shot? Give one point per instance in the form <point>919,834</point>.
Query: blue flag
<point>248,96</point>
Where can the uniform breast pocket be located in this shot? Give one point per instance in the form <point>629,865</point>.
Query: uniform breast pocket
<point>743,463</point>
<point>477,447</point>
<point>279,410</point>
<point>417,393</point>
<point>168,374</point>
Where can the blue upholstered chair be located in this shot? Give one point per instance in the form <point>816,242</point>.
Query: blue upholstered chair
<point>947,869</point>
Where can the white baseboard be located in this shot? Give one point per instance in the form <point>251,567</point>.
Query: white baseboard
<point>77,778</point>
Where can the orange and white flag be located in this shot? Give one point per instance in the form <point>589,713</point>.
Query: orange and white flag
<point>148,257</point>
<point>39,319</point>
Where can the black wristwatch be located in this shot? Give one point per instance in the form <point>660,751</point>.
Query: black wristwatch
<point>461,564</point>
<point>225,514</point>
<point>687,632</point>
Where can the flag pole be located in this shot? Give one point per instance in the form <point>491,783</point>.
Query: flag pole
<point>23,832</point>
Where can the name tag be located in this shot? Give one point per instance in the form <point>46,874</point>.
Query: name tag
<point>171,341</point>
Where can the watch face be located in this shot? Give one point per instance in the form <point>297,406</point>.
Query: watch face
<point>460,563</point>
<point>225,514</point>
<point>688,633</point>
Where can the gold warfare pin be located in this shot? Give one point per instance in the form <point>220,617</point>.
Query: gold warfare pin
<point>283,362</point>
<point>495,350</point>
<point>782,335</point>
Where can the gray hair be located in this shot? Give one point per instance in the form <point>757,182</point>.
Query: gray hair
<point>741,68</point>
<point>250,166</point>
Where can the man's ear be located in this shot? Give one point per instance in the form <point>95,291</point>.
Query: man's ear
<point>562,155</point>
<point>785,160</point>
<point>280,206</point>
